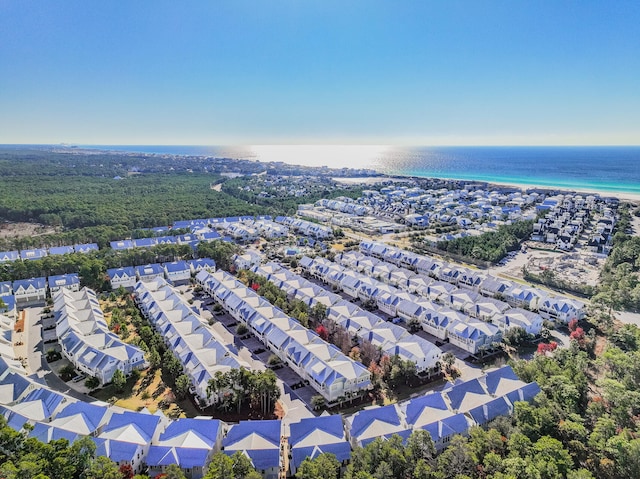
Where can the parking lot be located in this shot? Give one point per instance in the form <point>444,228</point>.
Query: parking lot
<point>259,352</point>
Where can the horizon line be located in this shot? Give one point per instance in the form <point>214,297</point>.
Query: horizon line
<point>439,145</point>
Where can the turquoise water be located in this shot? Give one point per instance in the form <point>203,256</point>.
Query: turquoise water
<point>615,169</point>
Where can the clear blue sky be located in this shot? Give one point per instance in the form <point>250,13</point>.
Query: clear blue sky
<point>415,72</point>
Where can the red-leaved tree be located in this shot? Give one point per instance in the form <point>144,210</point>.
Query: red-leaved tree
<point>322,332</point>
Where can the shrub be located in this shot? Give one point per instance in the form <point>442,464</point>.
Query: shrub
<point>92,382</point>
<point>67,372</point>
<point>273,360</point>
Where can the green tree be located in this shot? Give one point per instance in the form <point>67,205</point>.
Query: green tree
<point>457,459</point>
<point>102,468</point>
<point>220,467</point>
<point>236,466</point>
<point>173,471</point>
<point>92,382</point>
<point>119,380</point>
<point>154,358</point>
<point>420,447</point>
<point>324,466</point>
<point>183,383</point>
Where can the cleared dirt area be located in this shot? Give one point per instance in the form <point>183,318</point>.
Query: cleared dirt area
<point>19,230</point>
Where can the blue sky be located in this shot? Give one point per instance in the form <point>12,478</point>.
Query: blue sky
<point>322,72</point>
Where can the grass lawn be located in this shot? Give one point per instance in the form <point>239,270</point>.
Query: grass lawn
<point>151,388</point>
<point>337,247</point>
<point>150,382</point>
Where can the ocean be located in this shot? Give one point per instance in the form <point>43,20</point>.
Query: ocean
<point>614,169</point>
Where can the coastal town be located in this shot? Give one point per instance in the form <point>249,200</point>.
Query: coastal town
<point>336,323</point>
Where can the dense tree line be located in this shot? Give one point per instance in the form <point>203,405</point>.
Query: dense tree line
<point>491,246</point>
<point>619,286</point>
<point>102,235</point>
<point>138,201</point>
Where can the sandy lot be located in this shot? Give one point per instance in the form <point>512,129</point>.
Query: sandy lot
<point>16,230</point>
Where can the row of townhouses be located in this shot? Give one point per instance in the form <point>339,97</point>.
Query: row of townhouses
<point>306,228</point>
<point>362,325</point>
<point>34,290</point>
<point>465,332</point>
<point>331,373</point>
<point>557,308</point>
<point>86,340</point>
<point>39,253</point>
<point>202,349</point>
<point>176,272</point>
<point>437,298</point>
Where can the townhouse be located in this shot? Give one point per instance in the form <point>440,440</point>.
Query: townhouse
<point>85,338</point>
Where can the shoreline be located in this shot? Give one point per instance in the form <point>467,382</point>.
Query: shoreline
<point>622,195</point>
<point>626,196</point>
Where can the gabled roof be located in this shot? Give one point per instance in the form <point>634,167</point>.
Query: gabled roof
<point>9,256</point>
<point>184,457</point>
<point>466,395</point>
<point>501,381</point>
<point>131,427</point>
<point>90,415</point>
<point>46,433</point>
<point>39,404</point>
<point>115,450</point>
<point>27,254</point>
<point>489,411</point>
<point>525,393</point>
<point>63,280</point>
<point>120,245</point>
<point>314,436</point>
<point>176,266</point>
<point>375,422</point>
<point>85,248</point>
<point>126,271</point>
<point>425,409</point>
<point>455,424</point>
<point>6,288</point>
<point>37,283</point>
<point>191,433</point>
<point>12,387</point>
<point>57,250</point>
<point>260,440</point>
<point>145,242</point>
<point>149,269</point>
<point>202,263</point>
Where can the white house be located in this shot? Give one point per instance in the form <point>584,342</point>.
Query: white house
<point>125,277</point>
<point>30,290</point>
<point>561,310</point>
<point>247,260</point>
<point>68,281</point>
<point>86,340</point>
<point>177,272</point>
<point>528,320</point>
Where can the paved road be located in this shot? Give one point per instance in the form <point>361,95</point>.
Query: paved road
<point>36,361</point>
